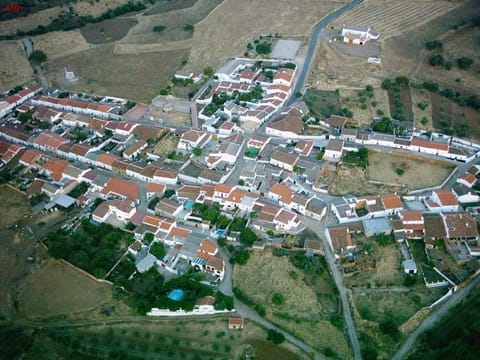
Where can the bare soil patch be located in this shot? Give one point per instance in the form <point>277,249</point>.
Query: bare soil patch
<point>14,66</point>
<point>166,6</point>
<point>228,29</point>
<point>300,300</point>
<point>60,43</point>
<point>57,289</point>
<point>108,30</point>
<point>419,172</point>
<point>135,76</point>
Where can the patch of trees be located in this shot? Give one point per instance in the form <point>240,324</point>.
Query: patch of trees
<point>211,213</point>
<point>464,62</point>
<point>37,57</point>
<point>93,248</point>
<point>310,265</point>
<point>434,45</point>
<point>189,27</point>
<point>72,21</point>
<point>223,302</point>
<point>357,158</point>
<point>260,309</point>
<point>263,48</point>
<point>158,250</point>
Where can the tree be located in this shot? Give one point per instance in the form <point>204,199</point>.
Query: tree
<point>223,301</point>
<point>464,62</point>
<point>189,27</point>
<point>263,48</point>
<point>197,151</point>
<point>248,236</point>
<point>148,237</point>
<point>130,226</point>
<point>208,71</point>
<point>242,257</point>
<point>159,28</point>
<point>275,336</point>
<point>37,57</point>
<point>158,250</point>
<point>436,60</point>
<point>241,182</point>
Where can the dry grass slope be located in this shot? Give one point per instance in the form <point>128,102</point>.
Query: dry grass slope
<point>57,289</point>
<point>61,43</point>
<point>228,29</point>
<point>14,66</point>
<point>43,17</point>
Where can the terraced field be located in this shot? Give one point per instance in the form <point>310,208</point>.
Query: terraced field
<point>394,17</point>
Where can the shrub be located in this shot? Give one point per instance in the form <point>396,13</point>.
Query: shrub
<point>278,299</point>
<point>37,57</point>
<point>422,106</point>
<point>189,27</point>
<point>159,28</point>
<point>436,60</point>
<point>263,48</point>
<point>400,171</point>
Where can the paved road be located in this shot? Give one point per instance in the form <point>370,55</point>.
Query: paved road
<point>193,104</point>
<point>246,312</point>
<point>312,47</point>
<point>319,229</point>
<point>28,46</point>
<point>436,316</point>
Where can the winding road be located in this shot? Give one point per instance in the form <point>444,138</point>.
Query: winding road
<point>436,316</point>
<point>312,47</point>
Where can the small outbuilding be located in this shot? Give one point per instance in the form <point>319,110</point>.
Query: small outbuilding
<point>235,323</point>
<point>409,267</point>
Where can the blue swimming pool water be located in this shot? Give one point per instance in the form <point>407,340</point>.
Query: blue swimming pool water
<point>176,295</point>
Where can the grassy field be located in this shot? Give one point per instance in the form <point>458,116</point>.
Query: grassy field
<point>371,309</point>
<point>14,206</point>
<point>307,306</point>
<point>61,43</point>
<point>14,66</point>
<point>164,6</point>
<point>222,34</point>
<point>322,104</point>
<point>88,7</point>
<point>418,172</point>
<point>135,76</point>
<point>43,17</point>
<point>174,21</point>
<point>59,289</point>
<point>201,339</point>
<point>108,30</point>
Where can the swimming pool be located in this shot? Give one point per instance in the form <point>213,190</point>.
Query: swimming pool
<point>176,295</point>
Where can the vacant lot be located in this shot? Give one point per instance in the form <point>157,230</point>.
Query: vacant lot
<point>136,76</point>
<point>349,179</point>
<point>14,66</point>
<point>380,267</point>
<point>321,103</point>
<point>14,206</point>
<point>57,289</point>
<point>107,31</point>
<point>418,172</point>
<point>364,105</point>
<point>60,43</point>
<point>301,312</point>
<point>166,145</point>
<point>174,21</point>
<point>228,29</point>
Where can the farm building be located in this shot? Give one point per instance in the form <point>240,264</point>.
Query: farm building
<point>358,35</point>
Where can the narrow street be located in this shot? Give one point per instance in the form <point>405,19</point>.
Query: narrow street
<point>319,228</point>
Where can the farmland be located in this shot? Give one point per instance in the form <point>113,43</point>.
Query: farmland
<point>61,43</point>
<point>135,76</point>
<point>418,172</point>
<point>58,289</point>
<point>303,312</point>
<point>215,39</point>
<point>393,17</point>
<point>14,67</point>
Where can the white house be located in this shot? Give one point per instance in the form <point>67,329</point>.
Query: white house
<point>167,177</point>
<point>358,35</point>
<point>333,150</point>
<point>192,138</point>
<point>284,160</point>
<point>442,200</point>
<point>286,127</point>
<point>286,220</point>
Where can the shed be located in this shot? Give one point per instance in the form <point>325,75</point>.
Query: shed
<point>409,267</point>
<point>235,323</point>
<point>65,201</point>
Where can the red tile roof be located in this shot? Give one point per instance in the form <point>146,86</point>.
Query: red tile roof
<point>30,156</point>
<point>55,167</point>
<point>429,144</point>
<point>121,187</point>
<point>446,197</point>
<point>391,201</point>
